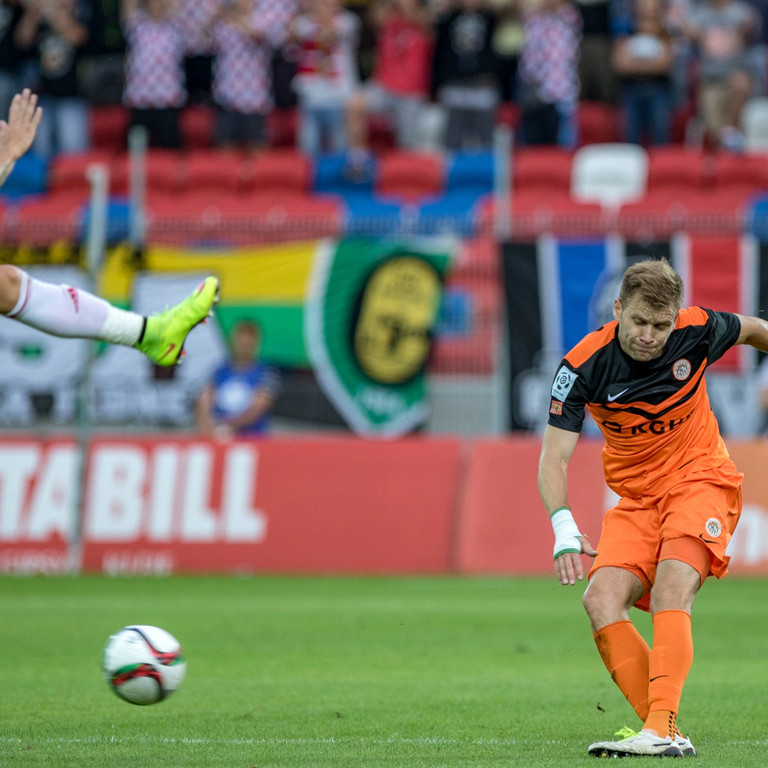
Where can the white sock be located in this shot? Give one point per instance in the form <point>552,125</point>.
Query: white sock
<point>62,310</point>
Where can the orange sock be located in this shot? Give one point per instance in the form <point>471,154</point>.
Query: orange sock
<point>626,657</point>
<point>670,661</point>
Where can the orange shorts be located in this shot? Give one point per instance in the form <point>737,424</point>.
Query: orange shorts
<point>703,509</point>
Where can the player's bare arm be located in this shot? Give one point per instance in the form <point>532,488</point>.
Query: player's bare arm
<point>754,331</point>
<point>18,133</point>
<point>557,449</point>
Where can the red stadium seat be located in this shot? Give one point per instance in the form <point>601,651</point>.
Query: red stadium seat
<point>281,128</point>
<point>675,167</point>
<point>164,168</point>
<point>547,212</point>
<point>281,171</point>
<point>216,170</point>
<point>197,124</point>
<point>68,172</point>
<point>599,123</point>
<point>748,171</point>
<point>109,127</point>
<point>242,219</point>
<point>542,168</point>
<point>664,212</point>
<point>409,176</point>
<point>47,220</point>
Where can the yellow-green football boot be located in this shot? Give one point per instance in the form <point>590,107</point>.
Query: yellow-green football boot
<point>165,334</point>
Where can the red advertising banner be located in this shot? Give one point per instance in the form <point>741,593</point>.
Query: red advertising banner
<point>503,526</point>
<point>39,482</point>
<point>333,505</point>
<point>749,546</point>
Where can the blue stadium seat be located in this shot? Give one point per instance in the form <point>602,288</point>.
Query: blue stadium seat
<point>330,176</point>
<point>470,171</point>
<point>28,177</point>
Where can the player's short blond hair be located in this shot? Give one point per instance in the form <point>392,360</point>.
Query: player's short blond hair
<point>654,282</point>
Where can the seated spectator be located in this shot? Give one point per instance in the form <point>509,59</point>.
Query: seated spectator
<point>723,31</point>
<point>326,77</point>
<point>241,75</point>
<point>644,61</point>
<point>154,73</point>
<point>240,395</point>
<point>55,34</point>
<point>465,74</point>
<point>399,85</point>
<point>548,80</point>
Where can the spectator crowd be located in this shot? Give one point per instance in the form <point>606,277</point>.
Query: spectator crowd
<point>419,63</point>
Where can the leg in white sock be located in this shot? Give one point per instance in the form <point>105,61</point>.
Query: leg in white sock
<point>62,310</point>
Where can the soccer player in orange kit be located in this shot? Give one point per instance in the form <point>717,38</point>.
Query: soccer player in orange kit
<point>642,379</point>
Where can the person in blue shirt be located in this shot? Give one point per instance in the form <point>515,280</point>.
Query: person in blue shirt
<point>239,397</point>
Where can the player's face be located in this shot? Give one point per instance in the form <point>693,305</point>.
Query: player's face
<point>643,331</point>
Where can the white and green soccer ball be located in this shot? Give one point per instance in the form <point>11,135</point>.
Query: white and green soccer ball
<point>143,664</point>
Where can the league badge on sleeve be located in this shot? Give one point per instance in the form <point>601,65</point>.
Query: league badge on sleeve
<point>564,381</point>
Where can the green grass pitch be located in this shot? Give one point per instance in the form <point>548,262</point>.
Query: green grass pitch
<point>357,672</point>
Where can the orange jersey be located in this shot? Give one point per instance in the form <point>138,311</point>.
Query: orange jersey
<point>655,416</point>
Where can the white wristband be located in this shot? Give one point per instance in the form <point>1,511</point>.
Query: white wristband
<point>566,532</point>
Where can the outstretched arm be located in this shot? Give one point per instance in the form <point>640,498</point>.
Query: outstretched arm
<point>17,135</point>
<point>557,449</point>
<point>754,331</point>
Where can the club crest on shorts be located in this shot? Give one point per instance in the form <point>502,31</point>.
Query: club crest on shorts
<point>713,527</point>
<point>681,369</point>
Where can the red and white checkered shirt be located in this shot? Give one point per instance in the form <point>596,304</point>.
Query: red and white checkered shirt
<point>154,74</point>
<point>241,73</point>
<point>279,15</point>
<point>195,18</point>
<point>549,61</point>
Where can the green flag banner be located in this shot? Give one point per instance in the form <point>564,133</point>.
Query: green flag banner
<point>369,319</point>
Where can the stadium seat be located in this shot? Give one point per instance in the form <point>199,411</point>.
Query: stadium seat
<point>281,171</point>
<point>470,172</point>
<point>197,125</point>
<point>408,176</point>
<point>242,219</point>
<point>747,172</point>
<point>28,177</point>
<point>754,124</point>
<point>330,176</point>
<point>216,171</point>
<point>366,215</point>
<point>109,127</point>
<point>675,167</point>
<point>546,212</point>
<point>70,171</point>
<point>47,220</point>
<point>542,168</point>
<point>609,174</point>
<point>599,123</point>
<point>164,170</point>
<point>454,213</point>
<point>282,125</point>
<point>662,213</point>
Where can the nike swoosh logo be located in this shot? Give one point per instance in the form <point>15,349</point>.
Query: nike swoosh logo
<point>168,351</point>
<point>709,541</point>
<point>657,678</point>
<point>611,398</point>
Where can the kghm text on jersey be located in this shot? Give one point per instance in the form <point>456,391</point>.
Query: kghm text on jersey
<point>654,427</point>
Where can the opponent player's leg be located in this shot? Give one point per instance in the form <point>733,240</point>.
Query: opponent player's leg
<point>62,310</point>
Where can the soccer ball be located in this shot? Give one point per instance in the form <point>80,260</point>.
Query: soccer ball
<point>143,664</point>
